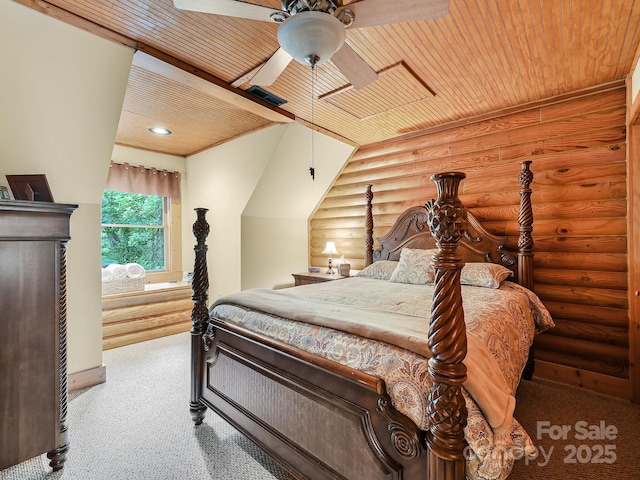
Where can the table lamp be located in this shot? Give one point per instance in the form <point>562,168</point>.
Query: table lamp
<point>330,249</point>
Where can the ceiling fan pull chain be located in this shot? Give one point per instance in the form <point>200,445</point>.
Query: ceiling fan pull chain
<point>314,77</point>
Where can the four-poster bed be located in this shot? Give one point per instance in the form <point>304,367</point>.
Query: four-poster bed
<point>325,409</point>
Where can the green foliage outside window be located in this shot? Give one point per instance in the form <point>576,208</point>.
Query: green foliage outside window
<point>133,229</point>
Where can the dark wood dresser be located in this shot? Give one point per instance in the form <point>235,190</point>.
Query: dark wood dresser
<point>33,337</point>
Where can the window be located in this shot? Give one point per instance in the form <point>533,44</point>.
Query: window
<point>138,228</point>
<point>141,220</point>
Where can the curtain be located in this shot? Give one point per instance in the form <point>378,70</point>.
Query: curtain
<point>147,181</point>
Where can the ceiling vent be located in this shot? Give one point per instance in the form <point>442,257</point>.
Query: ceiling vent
<point>266,96</point>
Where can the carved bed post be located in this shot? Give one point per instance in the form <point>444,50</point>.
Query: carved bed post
<point>525,221</point>
<point>525,245</point>
<point>368,222</point>
<point>199,314</point>
<point>447,334</point>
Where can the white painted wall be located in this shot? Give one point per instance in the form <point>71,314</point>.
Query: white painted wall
<point>61,93</point>
<point>260,199</point>
<point>273,249</point>
<point>223,179</point>
<point>275,227</point>
<point>286,189</point>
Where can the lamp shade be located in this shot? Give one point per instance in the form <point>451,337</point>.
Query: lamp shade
<point>310,34</point>
<point>330,249</point>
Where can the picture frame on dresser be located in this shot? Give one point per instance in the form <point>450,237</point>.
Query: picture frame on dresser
<point>5,193</point>
<point>30,187</point>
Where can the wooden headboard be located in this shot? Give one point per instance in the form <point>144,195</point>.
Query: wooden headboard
<point>411,230</point>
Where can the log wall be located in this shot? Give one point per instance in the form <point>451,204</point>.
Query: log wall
<point>578,147</point>
<point>139,316</point>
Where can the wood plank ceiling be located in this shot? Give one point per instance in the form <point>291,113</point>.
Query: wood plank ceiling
<point>485,56</point>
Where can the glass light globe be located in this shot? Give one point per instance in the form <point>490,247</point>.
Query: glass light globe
<point>311,38</point>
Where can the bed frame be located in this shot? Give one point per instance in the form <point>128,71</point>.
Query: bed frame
<point>321,420</point>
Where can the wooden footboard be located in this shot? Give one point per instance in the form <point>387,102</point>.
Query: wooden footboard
<point>317,418</point>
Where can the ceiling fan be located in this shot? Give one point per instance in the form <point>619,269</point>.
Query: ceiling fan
<point>313,31</point>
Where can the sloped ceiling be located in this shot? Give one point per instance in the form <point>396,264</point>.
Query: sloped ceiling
<point>484,56</point>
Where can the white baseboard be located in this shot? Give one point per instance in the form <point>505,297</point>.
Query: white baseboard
<point>87,378</point>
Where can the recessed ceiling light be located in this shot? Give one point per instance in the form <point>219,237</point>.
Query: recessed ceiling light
<point>160,130</point>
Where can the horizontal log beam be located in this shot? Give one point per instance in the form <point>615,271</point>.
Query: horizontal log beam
<point>581,278</point>
<point>596,365</point>
<point>614,354</point>
<point>577,377</point>
<point>588,314</point>
<point>598,297</point>
<point>605,334</point>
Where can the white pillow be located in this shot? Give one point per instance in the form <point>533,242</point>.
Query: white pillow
<point>380,270</point>
<point>415,266</point>
<point>489,275</point>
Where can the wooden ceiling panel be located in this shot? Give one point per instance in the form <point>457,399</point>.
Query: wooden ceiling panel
<point>396,87</point>
<point>197,120</point>
<point>486,55</point>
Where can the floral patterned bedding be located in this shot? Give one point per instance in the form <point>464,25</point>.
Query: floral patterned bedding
<point>505,319</point>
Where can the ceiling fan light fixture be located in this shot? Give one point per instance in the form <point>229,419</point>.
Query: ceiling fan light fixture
<point>311,36</point>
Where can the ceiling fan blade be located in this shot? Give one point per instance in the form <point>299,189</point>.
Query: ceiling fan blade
<point>379,12</point>
<point>352,66</point>
<point>229,8</point>
<point>271,69</point>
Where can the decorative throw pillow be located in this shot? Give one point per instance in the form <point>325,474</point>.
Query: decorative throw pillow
<point>415,266</point>
<point>380,270</point>
<point>489,275</point>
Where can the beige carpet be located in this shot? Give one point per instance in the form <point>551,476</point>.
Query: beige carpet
<point>558,418</point>
<point>137,426</point>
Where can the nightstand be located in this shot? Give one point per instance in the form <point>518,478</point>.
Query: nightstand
<point>308,278</point>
